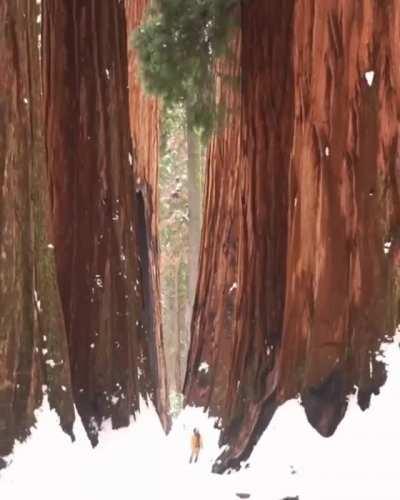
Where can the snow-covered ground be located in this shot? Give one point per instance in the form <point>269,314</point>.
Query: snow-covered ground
<point>360,462</point>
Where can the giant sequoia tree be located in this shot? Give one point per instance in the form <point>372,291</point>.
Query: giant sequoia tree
<point>33,346</point>
<point>77,284</point>
<point>299,277</point>
<point>144,122</point>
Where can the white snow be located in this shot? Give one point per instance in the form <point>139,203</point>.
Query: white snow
<point>360,462</point>
<point>386,246</point>
<point>37,301</point>
<point>130,159</point>
<point>327,151</point>
<point>369,76</point>
<point>107,71</point>
<point>98,280</point>
<point>50,245</point>
<point>26,100</point>
<point>51,363</point>
<point>233,287</point>
<point>204,367</point>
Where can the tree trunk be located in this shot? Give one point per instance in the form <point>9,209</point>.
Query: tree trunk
<point>297,288</point>
<point>177,328</point>
<point>194,224</point>
<point>33,345</point>
<point>169,328</point>
<point>77,298</point>
<point>194,188</point>
<point>183,338</point>
<point>144,122</point>
<point>101,226</point>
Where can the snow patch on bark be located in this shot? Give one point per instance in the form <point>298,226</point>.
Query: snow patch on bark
<point>233,287</point>
<point>204,367</point>
<point>369,76</point>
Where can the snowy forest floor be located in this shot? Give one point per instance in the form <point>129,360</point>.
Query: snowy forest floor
<point>361,460</point>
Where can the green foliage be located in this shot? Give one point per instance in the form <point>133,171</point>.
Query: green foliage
<point>178,45</point>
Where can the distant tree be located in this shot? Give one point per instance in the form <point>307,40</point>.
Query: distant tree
<point>178,45</point>
<point>174,239</point>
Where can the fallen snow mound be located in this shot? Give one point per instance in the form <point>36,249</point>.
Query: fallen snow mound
<point>360,462</point>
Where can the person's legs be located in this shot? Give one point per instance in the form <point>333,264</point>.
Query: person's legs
<point>196,455</point>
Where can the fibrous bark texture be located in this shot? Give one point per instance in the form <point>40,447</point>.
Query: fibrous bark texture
<point>144,122</point>
<point>33,345</point>
<point>101,218</point>
<point>77,311</point>
<point>299,275</point>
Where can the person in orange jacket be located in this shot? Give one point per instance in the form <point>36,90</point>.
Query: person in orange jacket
<point>196,445</point>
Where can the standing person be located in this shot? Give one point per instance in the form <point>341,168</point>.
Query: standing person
<point>196,445</point>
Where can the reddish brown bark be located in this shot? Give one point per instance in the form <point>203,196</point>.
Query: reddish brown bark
<point>295,291</point>
<point>144,122</point>
<point>33,347</point>
<point>98,308</point>
<point>218,262</point>
<point>102,240</point>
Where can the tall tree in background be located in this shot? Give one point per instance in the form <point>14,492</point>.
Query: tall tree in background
<point>194,188</point>
<point>174,236</point>
<point>178,44</point>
